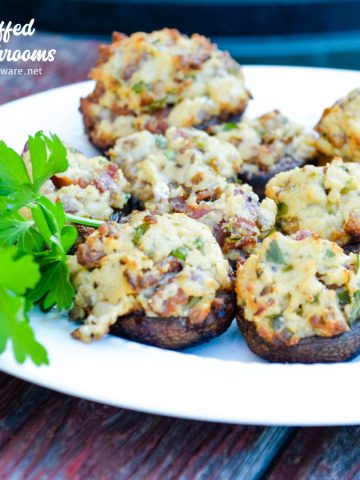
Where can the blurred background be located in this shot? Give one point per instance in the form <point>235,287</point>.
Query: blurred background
<point>322,33</point>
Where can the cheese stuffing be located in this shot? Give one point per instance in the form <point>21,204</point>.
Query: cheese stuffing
<point>298,287</point>
<point>164,265</point>
<point>155,80</point>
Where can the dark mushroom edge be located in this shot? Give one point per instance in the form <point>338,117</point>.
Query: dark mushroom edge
<point>258,180</point>
<point>314,349</point>
<point>178,332</point>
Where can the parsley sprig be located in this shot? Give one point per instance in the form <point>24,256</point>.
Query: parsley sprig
<point>33,249</point>
<point>22,273</point>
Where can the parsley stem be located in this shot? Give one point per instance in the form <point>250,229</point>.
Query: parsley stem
<point>89,222</point>
<point>84,221</point>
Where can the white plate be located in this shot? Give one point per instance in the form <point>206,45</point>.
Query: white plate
<point>222,380</point>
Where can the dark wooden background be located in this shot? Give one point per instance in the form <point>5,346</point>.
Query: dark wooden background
<point>47,435</point>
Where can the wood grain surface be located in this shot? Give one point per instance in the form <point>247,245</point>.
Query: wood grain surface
<point>44,434</point>
<point>47,435</point>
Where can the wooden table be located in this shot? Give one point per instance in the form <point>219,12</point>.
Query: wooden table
<point>46,435</point>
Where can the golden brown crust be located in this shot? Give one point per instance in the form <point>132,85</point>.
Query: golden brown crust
<point>314,349</point>
<point>178,332</point>
<point>338,129</point>
<point>199,86</point>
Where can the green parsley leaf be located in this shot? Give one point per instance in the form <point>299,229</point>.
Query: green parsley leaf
<point>48,156</point>
<point>329,253</point>
<point>139,232</point>
<point>199,244</point>
<point>17,274</point>
<point>138,86</point>
<point>55,287</point>
<point>180,253</point>
<point>343,297</point>
<point>355,311</point>
<point>13,172</point>
<point>12,228</point>
<point>157,104</point>
<point>282,209</point>
<point>274,253</point>
<point>229,126</point>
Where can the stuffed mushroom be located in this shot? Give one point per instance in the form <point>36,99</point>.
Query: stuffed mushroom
<point>155,80</point>
<point>190,172</point>
<point>158,279</point>
<point>298,300</point>
<point>324,200</point>
<point>269,144</point>
<point>339,129</point>
<point>90,187</point>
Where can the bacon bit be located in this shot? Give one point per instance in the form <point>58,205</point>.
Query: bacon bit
<point>169,265</point>
<point>170,304</point>
<point>219,234</point>
<point>108,229</point>
<point>352,225</point>
<point>60,182</point>
<point>156,125</point>
<point>150,218</point>
<point>178,204</point>
<point>84,232</point>
<point>301,234</point>
<point>192,61</point>
<point>198,211</point>
<point>148,279</point>
<point>245,226</point>
<point>129,70</point>
<point>113,170</point>
<point>133,66</point>
<point>82,183</point>
<point>267,304</point>
<point>132,279</point>
<point>330,328</point>
<point>119,111</point>
<point>163,126</point>
<point>316,321</point>
<point>106,181</point>
<point>88,256</point>
<point>208,195</point>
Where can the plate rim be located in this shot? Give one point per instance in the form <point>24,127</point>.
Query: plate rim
<point>8,365</point>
